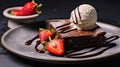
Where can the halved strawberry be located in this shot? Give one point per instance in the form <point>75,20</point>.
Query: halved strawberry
<point>55,46</point>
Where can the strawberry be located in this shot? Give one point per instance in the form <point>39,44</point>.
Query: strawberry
<point>45,34</point>
<point>55,46</point>
<point>17,12</point>
<point>29,8</point>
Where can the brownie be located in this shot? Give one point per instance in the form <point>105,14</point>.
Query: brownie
<point>77,39</point>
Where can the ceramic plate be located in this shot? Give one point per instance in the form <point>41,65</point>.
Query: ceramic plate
<point>14,41</point>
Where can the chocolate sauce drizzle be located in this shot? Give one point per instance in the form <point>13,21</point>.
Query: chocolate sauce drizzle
<point>75,17</point>
<point>81,55</point>
<point>63,25</point>
<point>64,28</point>
<point>71,54</point>
<point>31,40</point>
<point>79,13</point>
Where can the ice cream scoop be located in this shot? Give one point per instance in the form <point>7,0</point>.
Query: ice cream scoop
<point>83,17</point>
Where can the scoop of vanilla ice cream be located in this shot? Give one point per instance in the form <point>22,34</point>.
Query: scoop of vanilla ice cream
<point>84,17</point>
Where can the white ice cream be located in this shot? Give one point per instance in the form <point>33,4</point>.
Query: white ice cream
<point>84,17</point>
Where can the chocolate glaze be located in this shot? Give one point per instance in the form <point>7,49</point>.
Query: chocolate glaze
<point>65,28</point>
<point>63,25</point>
<point>36,47</point>
<point>79,14</point>
<point>76,18</point>
<point>81,55</point>
<point>76,21</point>
<point>112,38</point>
<point>72,51</point>
<point>31,40</point>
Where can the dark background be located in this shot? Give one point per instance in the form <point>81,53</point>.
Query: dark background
<point>107,10</point>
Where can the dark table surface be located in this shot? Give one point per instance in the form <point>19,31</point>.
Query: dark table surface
<point>108,11</point>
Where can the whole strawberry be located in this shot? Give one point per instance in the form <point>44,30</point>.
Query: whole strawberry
<point>29,8</point>
<point>45,34</point>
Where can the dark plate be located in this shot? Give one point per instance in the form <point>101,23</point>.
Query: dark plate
<point>14,41</point>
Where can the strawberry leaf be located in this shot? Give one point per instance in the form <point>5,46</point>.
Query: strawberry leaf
<point>43,49</point>
<point>44,43</point>
<point>38,10</point>
<point>38,6</point>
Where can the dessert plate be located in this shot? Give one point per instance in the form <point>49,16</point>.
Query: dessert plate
<point>14,41</point>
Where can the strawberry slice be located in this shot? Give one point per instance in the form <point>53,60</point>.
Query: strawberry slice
<point>55,46</point>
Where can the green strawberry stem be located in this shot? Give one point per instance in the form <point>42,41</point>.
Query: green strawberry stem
<point>43,49</point>
<point>38,6</point>
<point>41,29</point>
<point>52,30</point>
<point>33,1</point>
<point>56,36</point>
<point>11,12</point>
<point>50,39</point>
<point>44,43</point>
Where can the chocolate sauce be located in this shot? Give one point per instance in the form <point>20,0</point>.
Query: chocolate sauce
<point>76,21</point>
<point>65,31</point>
<point>112,38</point>
<point>63,25</point>
<point>76,18</point>
<point>36,47</point>
<point>31,40</point>
<point>81,55</point>
<point>72,51</point>
<point>65,28</point>
<point>73,19</point>
<point>79,14</point>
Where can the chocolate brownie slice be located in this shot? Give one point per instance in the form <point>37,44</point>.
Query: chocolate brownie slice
<point>77,39</point>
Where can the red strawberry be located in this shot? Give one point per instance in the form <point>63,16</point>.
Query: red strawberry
<point>56,47</point>
<point>17,12</point>
<point>45,34</point>
<point>29,8</point>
